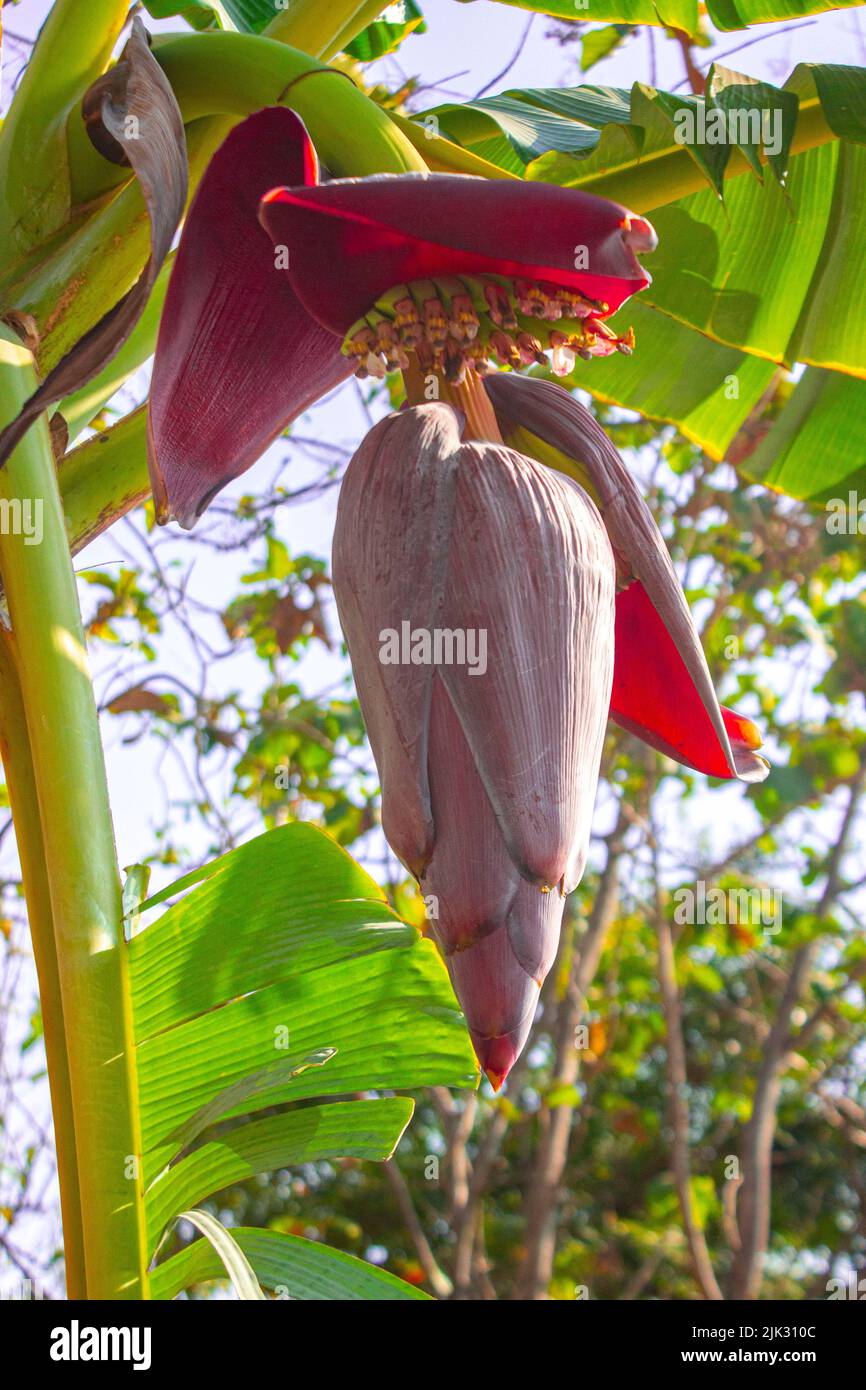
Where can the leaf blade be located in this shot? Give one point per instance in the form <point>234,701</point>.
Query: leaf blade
<point>303,1268</point>
<point>368,1130</point>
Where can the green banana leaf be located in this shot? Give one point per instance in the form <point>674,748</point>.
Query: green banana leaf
<point>348,1129</point>
<point>676,375</point>
<point>639,144</point>
<point>230,1254</point>
<point>381,37</point>
<point>290,1265</point>
<point>752,272</point>
<point>597,44</point>
<point>676,14</point>
<point>386,34</point>
<point>248,16</point>
<point>777,273</point>
<point>814,448</point>
<point>280,977</point>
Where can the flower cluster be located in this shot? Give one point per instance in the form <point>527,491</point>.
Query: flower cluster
<point>455,325</point>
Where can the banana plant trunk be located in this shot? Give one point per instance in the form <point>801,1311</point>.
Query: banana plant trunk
<point>85,984</point>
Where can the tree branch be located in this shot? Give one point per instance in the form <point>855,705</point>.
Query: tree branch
<point>544,1183</point>
<point>679,1106</point>
<point>436,1277</point>
<point>757,1145</point>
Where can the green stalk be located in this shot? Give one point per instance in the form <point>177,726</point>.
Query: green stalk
<point>80,408</point>
<point>17,270</point>
<point>314,26</point>
<point>73,48</point>
<point>364,15</point>
<point>104,478</point>
<point>21,785</point>
<point>310,26</point>
<point>236,74</point>
<point>90,270</point>
<point>69,774</point>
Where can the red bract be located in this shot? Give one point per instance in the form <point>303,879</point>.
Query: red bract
<point>238,357</point>
<point>656,697</point>
<point>352,240</point>
<point>488,768</point>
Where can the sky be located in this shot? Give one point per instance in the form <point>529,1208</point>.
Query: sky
<point>468,48</point>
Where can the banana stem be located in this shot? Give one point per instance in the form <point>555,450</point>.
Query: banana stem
<point>364,15</point>
<point>470,398</point>
<point>104,478</point>
<point>21,785</point>
<point>236,74</point>
<point>309,26</point>
<point>69,776</point>
<point>315,28</point>
<point>70,290</point>
<point>84,404</point>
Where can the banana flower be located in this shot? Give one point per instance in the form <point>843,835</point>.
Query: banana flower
<point>491,513</point>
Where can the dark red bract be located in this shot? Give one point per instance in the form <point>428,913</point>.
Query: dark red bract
<point>352,240</point>
<point>238,356</point>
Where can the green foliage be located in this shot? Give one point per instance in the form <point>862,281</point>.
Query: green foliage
<point>386,34</point>
<point>294,1267</point>
<point>678,14</point>
<point>766,274</point>
<point>812,449</point>
<point>282,976</point>
<point>246,16</point>
<point>597,44</point>
<point>381,37</point>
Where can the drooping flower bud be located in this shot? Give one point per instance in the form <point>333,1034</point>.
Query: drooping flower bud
<point>476,592</point>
